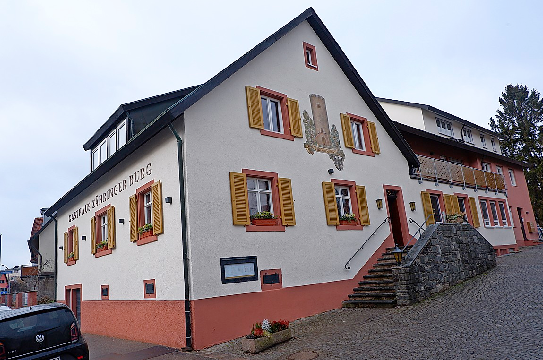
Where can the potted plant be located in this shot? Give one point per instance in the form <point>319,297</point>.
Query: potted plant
<point>348,219</point>
<point>102,245</point>
<point>71,256</point>
<point>263,218</point>
<point>145,230</point>
<point>454,218</point>
<point>266,334</point>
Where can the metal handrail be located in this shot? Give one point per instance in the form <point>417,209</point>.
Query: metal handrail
<point>416,232</point>
<point>387,219</point>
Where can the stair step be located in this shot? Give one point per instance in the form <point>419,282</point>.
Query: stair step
<point>373,288</point>
<point>370,281</point>
<point>368,303</point>
<point>380,270</point>
<point>373,295</point>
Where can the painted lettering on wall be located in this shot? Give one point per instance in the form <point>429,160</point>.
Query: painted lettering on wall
<point>115,190</point>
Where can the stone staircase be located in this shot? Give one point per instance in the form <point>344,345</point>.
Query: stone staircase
<point>377,288</point>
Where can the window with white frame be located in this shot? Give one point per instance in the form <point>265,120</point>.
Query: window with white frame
<point>494,213</point>
<point>485,166</point>
<point>343,200</point>
<point>358,135</point>
<point>112,143</point>
<point>107,147</point>
<point>499,170</point>
<point>103,227</point>
<point>512,177</point>
<point>444,126</point>
<point>484,212</point>
<point>493,144</point>
<point>121,134</point>
<point>468,137</point>
<point>103,151</point>
<point>259,192</point>
<point>95,159</point>
<point>503,214</point>
<point>483,141</point>
<point>147,207</point>
<point>271,110</point>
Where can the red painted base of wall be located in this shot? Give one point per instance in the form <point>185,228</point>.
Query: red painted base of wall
<point>220,319</point>
<point>157,322</point>
<point>505,249</point>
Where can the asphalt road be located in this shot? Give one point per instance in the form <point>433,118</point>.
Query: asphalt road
<point>497,315</point>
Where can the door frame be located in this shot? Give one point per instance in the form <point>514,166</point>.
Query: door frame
<point>404,226</point>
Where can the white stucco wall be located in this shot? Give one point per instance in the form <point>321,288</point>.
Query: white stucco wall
<point>408,115</point>
<point>128,265</point>
<point>47,247</point>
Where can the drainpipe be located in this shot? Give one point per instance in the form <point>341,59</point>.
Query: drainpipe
<point>184,241</point>
<point>54,217</point>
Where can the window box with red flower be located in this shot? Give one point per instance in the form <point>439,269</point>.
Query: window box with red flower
<point>265,335</point>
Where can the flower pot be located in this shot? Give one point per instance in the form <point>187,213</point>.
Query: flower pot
<point>348,222</point>
<point>264,222</point>
<point>254,346</point>
<point>146,234</point>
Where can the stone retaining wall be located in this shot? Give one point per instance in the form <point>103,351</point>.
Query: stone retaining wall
<point>445,255</point>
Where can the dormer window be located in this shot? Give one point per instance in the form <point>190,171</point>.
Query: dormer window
<point>493,143</point>
<point>483,141</point>
<point>107,147</point>
<point>444,126</point>
<point>468,137</point>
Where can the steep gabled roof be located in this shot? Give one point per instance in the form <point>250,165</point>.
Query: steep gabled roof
<point>196,93</point>
<point>441,113</point>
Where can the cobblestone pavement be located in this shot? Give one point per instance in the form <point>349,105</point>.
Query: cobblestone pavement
<point>497,315</point>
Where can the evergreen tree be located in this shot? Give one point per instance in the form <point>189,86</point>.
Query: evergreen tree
<point>519,122</point>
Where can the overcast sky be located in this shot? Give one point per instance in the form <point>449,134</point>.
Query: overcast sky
<point>65,67</point>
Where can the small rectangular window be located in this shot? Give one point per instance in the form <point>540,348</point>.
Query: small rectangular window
<point>112,143</point>
<point>436,207</point>
<point>493,144</point>
<point>343,200</point>
<point>499,170</point>
<point>494,213</point>
<point>484,211</point>
<point>121,135</point>
<point>310,56</point>
<point>149,289</point>
<point>468,137</point>
<point>483,141</point>
<point>485,166</point>
<point>147,207</point>
<point>444,127</point>
<point>462,205</point>
<point>103,151</point>
<point>358,135</point>
<point>502,212</point>
<point>512,177</point>
<point>95,159</point>
<point>104,292</point>
<point>103,227</point>
<point>271,110</point>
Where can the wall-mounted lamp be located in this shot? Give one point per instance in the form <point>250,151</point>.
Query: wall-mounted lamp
<point>121,221</point>
<point>379,203</point>
<point>83,237</point>
<point>330,171</point>
<point>61,247</point>
<point>412,206</point>
<point>168,200</point>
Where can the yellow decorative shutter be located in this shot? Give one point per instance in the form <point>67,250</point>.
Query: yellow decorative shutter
<point>111,227</point>
<point>330,205</point>
<point>76,243</point>
<point>448,204</point>
<point>474,215</point>
<point>254,108</point>
<point>373,138</point>
<point>65,247</point>
<point>295,120</point>
<point>133,218</point>
<point>347,131</point>
<point>287,202</point>
<point>530,227</point>
<point>427,207</point>
<point>240,202</point>
<point>362,205</point>
<point>455,205</point>
<point>93,235</point>
<point>157,219</point>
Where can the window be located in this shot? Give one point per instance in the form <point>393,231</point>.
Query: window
<point>444,127</point>
<point>462,204</point>
<point>485,166</point>
<point>260,195</point>
<point>494,213</point>
<point>512,177</point>
<point>310,56</point>
<point>239,269</point>
<point>483,141</point>
<point>359,134</point>
<point>468,137</point>
<point>149,289</point>
<point>484,212</point>
<point>103,231</point>
<point>503,214</point>
<point>343,197</point>
<point>499,170</point>
<point>114,141</point>
<point>436,207</point>
<point>146,221</point>
<point>493,144</point>
<point>273,113</point>
<point>432,204</point>
<point>104,292</point>
<point>71,246</point>
<point>254,191</point>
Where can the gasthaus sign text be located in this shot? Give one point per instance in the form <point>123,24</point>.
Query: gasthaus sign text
<point>119,187</point>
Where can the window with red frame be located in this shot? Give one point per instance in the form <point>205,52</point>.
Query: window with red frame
<point>149,289</point>
<point>345,204</point>
<point>103,231</point>
<point>310,56</point>
<point>253,192</point>
<point>360,134</point>
<point>71,245</point>
<point>146,214</point>
<point>275,114</point>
